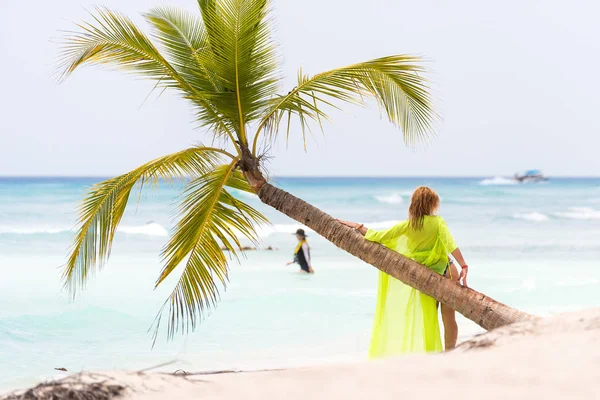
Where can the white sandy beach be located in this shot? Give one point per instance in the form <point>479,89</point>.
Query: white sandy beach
<point>160,157</point>
<point>552,358</point>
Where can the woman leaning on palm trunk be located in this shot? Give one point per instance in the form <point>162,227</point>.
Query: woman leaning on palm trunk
<point>406,320</point>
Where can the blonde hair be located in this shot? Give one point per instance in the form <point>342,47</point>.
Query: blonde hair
<point>424,202</point>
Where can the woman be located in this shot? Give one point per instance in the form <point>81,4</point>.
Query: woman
<point>406,320</point>
<point>302,253</point>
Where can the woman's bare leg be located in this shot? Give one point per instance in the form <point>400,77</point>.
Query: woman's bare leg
<point>449,315</point>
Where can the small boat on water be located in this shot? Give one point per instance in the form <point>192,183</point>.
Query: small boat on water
<point>533,175</point>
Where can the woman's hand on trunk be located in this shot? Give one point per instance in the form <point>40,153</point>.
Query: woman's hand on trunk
<point>360,228</point>
<point>349,224</point>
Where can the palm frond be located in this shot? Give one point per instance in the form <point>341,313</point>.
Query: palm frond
<point>183,39</point>
<point>226,64</point>
<point>105,203</point>
<point>243,56</point>
<point>114,40</point>
<point>211,219</point>
<point>395,82</point>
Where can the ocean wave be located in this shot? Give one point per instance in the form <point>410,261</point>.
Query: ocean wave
<point>31,230</point>
<point>149,229</point>
<point>393,198</point>
<point>497,181</point>
<point>579,213</point>
<point>532,216</point>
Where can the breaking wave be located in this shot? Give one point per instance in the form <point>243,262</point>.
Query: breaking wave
<point>579,213</point>
<point>149,229</point>
<point>497,181</point>
<point>31,230</point>
<point>532,216</point>
<point>393,198</point>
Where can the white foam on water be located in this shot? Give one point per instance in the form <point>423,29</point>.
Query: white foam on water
<point>32,230</point>
<point>532,216</point>
<point>393,198</point>
<point>149,229</point>
<point>497,181</point>
<point>579,213</point>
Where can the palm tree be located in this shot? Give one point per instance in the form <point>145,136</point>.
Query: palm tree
<point>225,64</point>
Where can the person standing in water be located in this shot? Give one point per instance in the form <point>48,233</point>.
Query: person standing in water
<point>302,253</point>
<point>406,320</point>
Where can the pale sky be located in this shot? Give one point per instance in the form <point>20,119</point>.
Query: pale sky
<point>516,82</point>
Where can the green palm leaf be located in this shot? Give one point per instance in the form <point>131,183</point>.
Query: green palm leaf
<point>243,55</point>
<point>103,208</point>
<point>395,82</point>
<point>114,40</point>
<point>184,40</point>
<point>226,64</point>
<point>211,219</point>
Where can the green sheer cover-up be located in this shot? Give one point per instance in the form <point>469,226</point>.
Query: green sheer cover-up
<point>406,320</point>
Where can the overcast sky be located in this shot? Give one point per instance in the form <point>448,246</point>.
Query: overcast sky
<point>516,82</point>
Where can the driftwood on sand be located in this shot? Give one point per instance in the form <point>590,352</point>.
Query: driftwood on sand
<point>88,386</point>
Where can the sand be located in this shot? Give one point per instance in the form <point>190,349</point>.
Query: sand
<point>552,358</point>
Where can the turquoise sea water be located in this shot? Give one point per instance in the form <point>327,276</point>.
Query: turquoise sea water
<point>534,246</point>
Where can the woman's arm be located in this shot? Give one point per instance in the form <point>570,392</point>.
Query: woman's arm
<point>464,267</point>
<point>294,261</point>
<point>360,228</point>
<point>386,237</point>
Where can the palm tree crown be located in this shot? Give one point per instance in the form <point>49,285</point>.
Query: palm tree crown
<point>225,63</point>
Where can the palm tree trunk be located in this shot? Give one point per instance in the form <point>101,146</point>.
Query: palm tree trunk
<point>483,310</point>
